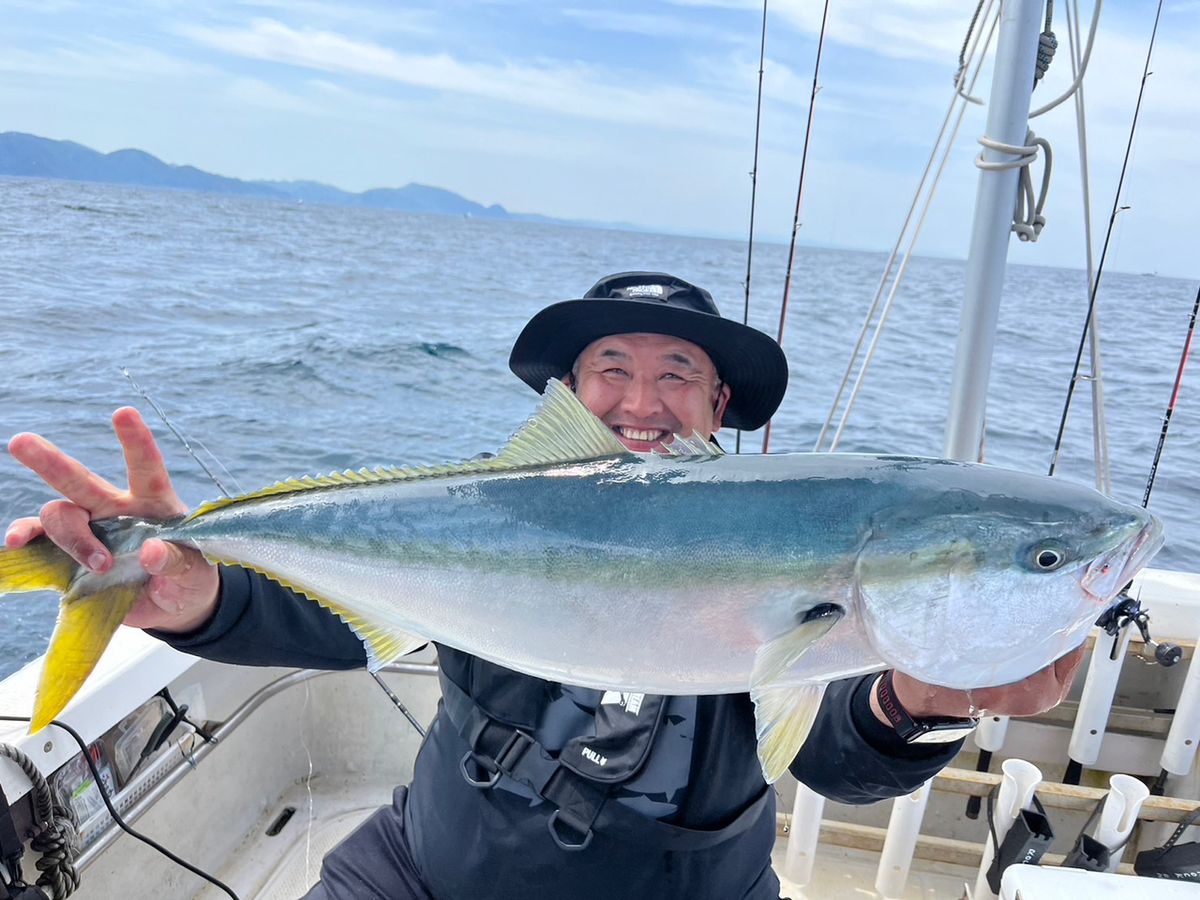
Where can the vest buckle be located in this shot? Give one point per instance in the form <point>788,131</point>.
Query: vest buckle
<point>478,770</point>
<point>568,836</point>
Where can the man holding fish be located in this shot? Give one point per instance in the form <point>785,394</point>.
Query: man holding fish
<point>532,786</point>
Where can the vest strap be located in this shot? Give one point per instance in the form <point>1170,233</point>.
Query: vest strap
<point>582,805</point>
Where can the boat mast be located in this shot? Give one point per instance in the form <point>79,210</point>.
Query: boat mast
<point>1007,123</point>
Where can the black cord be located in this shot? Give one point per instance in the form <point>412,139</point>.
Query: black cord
<point>116,817</point>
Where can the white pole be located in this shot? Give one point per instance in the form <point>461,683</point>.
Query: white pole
<point>806,828</point>
<point>1008,118</point>
<point>995,196</point>
<point>1179,753</point>
<point>1095,703</point>
<point>1120,813</point>
<point>898,847</point>
<point>1020,780</point>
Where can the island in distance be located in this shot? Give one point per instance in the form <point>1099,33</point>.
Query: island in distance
<point>30,156</point>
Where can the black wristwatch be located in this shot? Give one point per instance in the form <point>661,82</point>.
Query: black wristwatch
<point>923,730</point>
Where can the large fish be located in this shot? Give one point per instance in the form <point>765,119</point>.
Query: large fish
<point>569,558</point>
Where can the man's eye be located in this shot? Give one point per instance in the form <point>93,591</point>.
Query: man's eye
<point>616,371</point>
<point>671,376</point>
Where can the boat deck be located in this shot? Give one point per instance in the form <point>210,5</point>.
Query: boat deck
<point>283,866</point>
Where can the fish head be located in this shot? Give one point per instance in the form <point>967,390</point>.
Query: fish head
<point>980,586</point>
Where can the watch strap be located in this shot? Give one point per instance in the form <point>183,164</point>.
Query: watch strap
<point>919,729</point>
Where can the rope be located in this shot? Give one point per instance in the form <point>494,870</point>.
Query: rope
<point>57,840</point>
<point>1080,69</point>
<point>1047,44</point>
<point>1112,220</point>
<point>977,49</point>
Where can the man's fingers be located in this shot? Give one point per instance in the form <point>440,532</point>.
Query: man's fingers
<point>67,525</point>
<point>66,475</point>
<point>21,531</point>
<point>169,560</point>
<point>148,478</point>
<point>182,592</point>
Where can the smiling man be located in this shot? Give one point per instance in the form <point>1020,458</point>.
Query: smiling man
<point>523,787</point>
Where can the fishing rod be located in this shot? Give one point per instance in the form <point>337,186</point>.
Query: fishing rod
<point>787,278</point>
<point>1095,704</point>
<point>762,53</point>
<point>1117,208</point>
<point>1100,685</point>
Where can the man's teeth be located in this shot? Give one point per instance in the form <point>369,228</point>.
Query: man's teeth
<point>641,434</point>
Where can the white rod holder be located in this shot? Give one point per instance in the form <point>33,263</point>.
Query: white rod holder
<point>904,828</point>
<point>806,828</point>
<point>1020,779</point>
<point>1120,813</point>
<point>1179,752</point>
<point>991,732</point>
<point>1096,700</point>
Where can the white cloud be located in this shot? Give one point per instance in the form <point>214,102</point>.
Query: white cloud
<point>254,92</point>
<point>101,59</point>
<point>569,89</point>
<point>649,24</point>
<point>903,29</point>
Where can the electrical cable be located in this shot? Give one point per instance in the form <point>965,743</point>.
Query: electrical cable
<point>116,817</point>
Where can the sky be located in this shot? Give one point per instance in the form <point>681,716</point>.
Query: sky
<point>638,111</point>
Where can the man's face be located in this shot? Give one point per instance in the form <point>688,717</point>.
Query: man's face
<point>647,387</point>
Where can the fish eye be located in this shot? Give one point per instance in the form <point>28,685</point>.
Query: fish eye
<point>1048,557</point>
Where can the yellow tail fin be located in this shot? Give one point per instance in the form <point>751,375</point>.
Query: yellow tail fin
<point>85,626</point>
<point>38,566</point>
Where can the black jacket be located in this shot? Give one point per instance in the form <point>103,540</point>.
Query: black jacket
<point>472,843</point>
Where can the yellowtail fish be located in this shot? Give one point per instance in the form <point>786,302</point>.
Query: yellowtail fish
<point>571,559</point>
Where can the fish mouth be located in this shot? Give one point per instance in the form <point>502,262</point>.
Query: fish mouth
<point>1104,578</point>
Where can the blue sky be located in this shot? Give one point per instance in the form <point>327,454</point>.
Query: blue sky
<point>624,111</point>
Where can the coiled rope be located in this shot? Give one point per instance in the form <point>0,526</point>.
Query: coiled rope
<point>57,840</point>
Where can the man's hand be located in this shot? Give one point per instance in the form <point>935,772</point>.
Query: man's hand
<point>1039,692</point>
<point>182,591</point>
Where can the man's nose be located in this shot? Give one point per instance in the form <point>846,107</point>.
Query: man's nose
<point>642,398</point>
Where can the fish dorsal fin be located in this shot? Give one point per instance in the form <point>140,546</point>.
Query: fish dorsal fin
<point>562,430</point>
<point>692,447</point>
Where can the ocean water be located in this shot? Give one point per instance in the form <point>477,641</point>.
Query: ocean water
<point>292,339</point>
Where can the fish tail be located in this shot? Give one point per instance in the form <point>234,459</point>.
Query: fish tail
<point>91,609</point>
<point>38,566</point>
<point>86,624</point>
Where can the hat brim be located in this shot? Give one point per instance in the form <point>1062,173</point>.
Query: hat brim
<point>750,362</point>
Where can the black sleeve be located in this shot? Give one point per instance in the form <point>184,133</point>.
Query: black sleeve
<point>852,757</point>
<point>261,623</point>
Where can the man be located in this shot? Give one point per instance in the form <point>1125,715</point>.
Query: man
<point>505,800</point>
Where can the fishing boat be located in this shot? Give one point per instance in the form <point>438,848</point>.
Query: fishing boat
<point>252,774</point>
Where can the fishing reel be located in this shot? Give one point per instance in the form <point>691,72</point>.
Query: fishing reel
<point>1131,612</point>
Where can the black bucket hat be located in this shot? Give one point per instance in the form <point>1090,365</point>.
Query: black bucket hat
<point>751,363</point>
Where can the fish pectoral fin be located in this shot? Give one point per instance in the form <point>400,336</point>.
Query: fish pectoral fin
<point>84,628</point>
<point>38,566</point>
<point>784,710</point>
<point>776,657</point>
<point>783,717</point>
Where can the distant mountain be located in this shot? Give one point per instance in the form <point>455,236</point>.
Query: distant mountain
<point>37,157</point>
